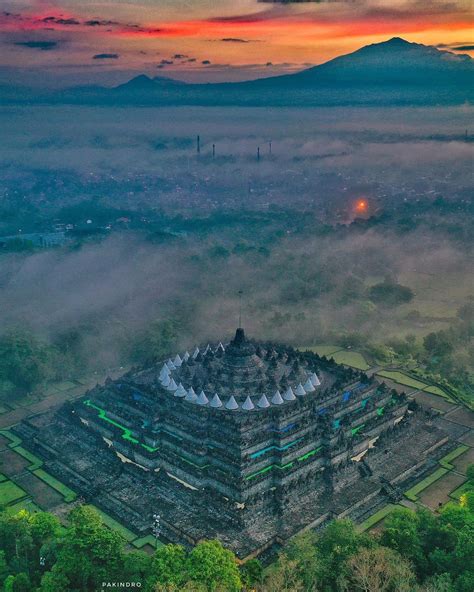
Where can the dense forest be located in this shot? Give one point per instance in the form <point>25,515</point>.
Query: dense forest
<point>412,552</point>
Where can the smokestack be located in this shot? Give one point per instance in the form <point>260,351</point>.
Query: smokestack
<point>258,153</point>
<point>213,151</point>
<point>270,147</point>
<point>198,145</point>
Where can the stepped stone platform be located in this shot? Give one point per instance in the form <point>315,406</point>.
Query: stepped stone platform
<point>246,442</point>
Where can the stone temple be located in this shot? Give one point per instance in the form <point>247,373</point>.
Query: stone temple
<point>246,442</point>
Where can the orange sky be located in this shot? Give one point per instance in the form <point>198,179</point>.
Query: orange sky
<point>204,40</point>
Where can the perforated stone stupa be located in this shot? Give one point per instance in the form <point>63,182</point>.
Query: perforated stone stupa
<point>246,442</point>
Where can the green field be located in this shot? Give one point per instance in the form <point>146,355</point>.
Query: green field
<point>412,493</point>
<point>351,358</point>
<point>436,390</point>
<point>446,460</point>
<point>111,523</point>
<point>402,378</point>
<point>322,350</point>
<point>341,356</point>
<point>25,504</point>
<point>10,492</point>
<point>375,518</point>
<point>36,462</point>
<point>466,486</point>
<point>14,440</point>
<point>149,539</point>
<point>68,494</point>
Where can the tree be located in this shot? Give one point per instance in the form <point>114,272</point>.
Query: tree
<point>54,581</point>
<point>401,534</point>
<point>44,527</point>
<point>169,565</point>
<point>470,473</point>
<point>251,573</point>
<point>467,500</point>
<point>438,344</point>
<point>380,570</point>
<point>25,361</point>
<point>21,583</point>
<point>303,550</point>
<point>335,546</point>
<point>214,566</point>
<point>15,540</point>
<point>439,583</point>
<point>157,341</point>
<point>3,568</point>
<point>90,553</point>
<point>188,587</point>
<point>390,294</point>
<point>285,577</point>
<point>137,566</point>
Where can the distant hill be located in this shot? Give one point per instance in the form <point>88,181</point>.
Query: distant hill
<point>394,72</point>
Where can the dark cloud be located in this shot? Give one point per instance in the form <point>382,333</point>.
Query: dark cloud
<point>234,40</point>
<point>60,21</point>
<point>106,56</point>
<point>166,62</point>
<point>243,18</point>
<point>42,45</point>
<point>100,23</point>
<point>205,62</point>
<point>52,21</point>
<point>457,46</point>
<point>179,56</point>
<point>300,1</point>
<point>191,60</point>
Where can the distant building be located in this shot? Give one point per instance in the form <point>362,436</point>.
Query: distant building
<point>38,239</point>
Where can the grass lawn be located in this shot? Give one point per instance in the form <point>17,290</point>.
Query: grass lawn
<point>341,356</point>
<point>23,402</point>
<point>36,462</point>
<point>111,523</point>
<point>375,518</point>
<point>149,539</point>
<point>14,440</point>
<point>65,386</point>
<point>402,378</point>
<point>438,493</point>
<point>26,504</point>
<point>322,350</point>
<point>10,492</point>
<point>446,460</point>
<point>68,494</point>
<point>351,358</point>
<point>456,494</point>
<point>436,390</point>
<point>412,493</point>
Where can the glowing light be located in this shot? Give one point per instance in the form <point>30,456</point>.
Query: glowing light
<point>362,206</point>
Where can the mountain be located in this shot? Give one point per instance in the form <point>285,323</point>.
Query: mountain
<point>394,72</point>
<point>145,82</point>
<point>395,61</point>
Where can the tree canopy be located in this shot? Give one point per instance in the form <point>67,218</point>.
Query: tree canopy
<point>413,552</point>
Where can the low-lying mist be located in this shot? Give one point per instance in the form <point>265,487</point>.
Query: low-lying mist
<point>299,286</point>
<point>299,291</point>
